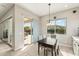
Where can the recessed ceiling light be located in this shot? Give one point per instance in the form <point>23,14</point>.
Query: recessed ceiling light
<point>66,6</point>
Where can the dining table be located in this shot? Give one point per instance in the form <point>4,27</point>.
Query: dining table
<point>47,43</point>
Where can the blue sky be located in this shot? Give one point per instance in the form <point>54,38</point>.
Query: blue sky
<point>61,22</point>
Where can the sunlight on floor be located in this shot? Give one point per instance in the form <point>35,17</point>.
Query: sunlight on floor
<point>31,50</point>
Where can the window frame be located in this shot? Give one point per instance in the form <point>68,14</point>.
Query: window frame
<point>65,18</point>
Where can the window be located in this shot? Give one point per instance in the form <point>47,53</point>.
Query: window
<point>51,27</point>
<point>57,26</point>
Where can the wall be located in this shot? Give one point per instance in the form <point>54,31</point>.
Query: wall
<point>72,24</point>
<point>4,23</point>
<point>10,30</point>
<point>20,13</point>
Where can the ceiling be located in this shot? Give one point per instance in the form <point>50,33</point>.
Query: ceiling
<point>4,7</point>
<point>39,9</point>
<point>42,9</point>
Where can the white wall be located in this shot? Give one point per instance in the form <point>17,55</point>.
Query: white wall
<point>20,13</point>
<point>10,30</point>
<point>4,24</point>
<point>72,24</point>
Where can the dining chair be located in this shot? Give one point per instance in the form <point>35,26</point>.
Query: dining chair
<point>55,48</point>
<point>53,36</point>
<point>41,37</point>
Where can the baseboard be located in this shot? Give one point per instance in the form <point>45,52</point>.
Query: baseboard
<point>63,44</point>
<point>6,43</point>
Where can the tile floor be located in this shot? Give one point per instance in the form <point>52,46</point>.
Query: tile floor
<point>30,50</point>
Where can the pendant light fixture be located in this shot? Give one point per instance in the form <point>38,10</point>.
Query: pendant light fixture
<point>49,10</point>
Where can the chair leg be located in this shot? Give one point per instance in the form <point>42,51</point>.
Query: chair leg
<point>52,51</point>
<point>55,53</point>
<point>58,51</point>
<point>44,51</point>
<point>38,49</point>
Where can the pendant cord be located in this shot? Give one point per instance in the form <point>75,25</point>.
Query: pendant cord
<point>49,11</point>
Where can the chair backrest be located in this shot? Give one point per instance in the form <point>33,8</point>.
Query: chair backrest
<point>44,36</point>
<point>53,36</point>
<point>40,37</point>
<point>56,42</point>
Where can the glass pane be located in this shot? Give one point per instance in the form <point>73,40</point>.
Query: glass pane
<point>27,28</point>
<point>61,26</point>
<point>51,27</point>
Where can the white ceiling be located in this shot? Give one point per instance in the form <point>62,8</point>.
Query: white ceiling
<point>41,9</point>
<point>4,7</point>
